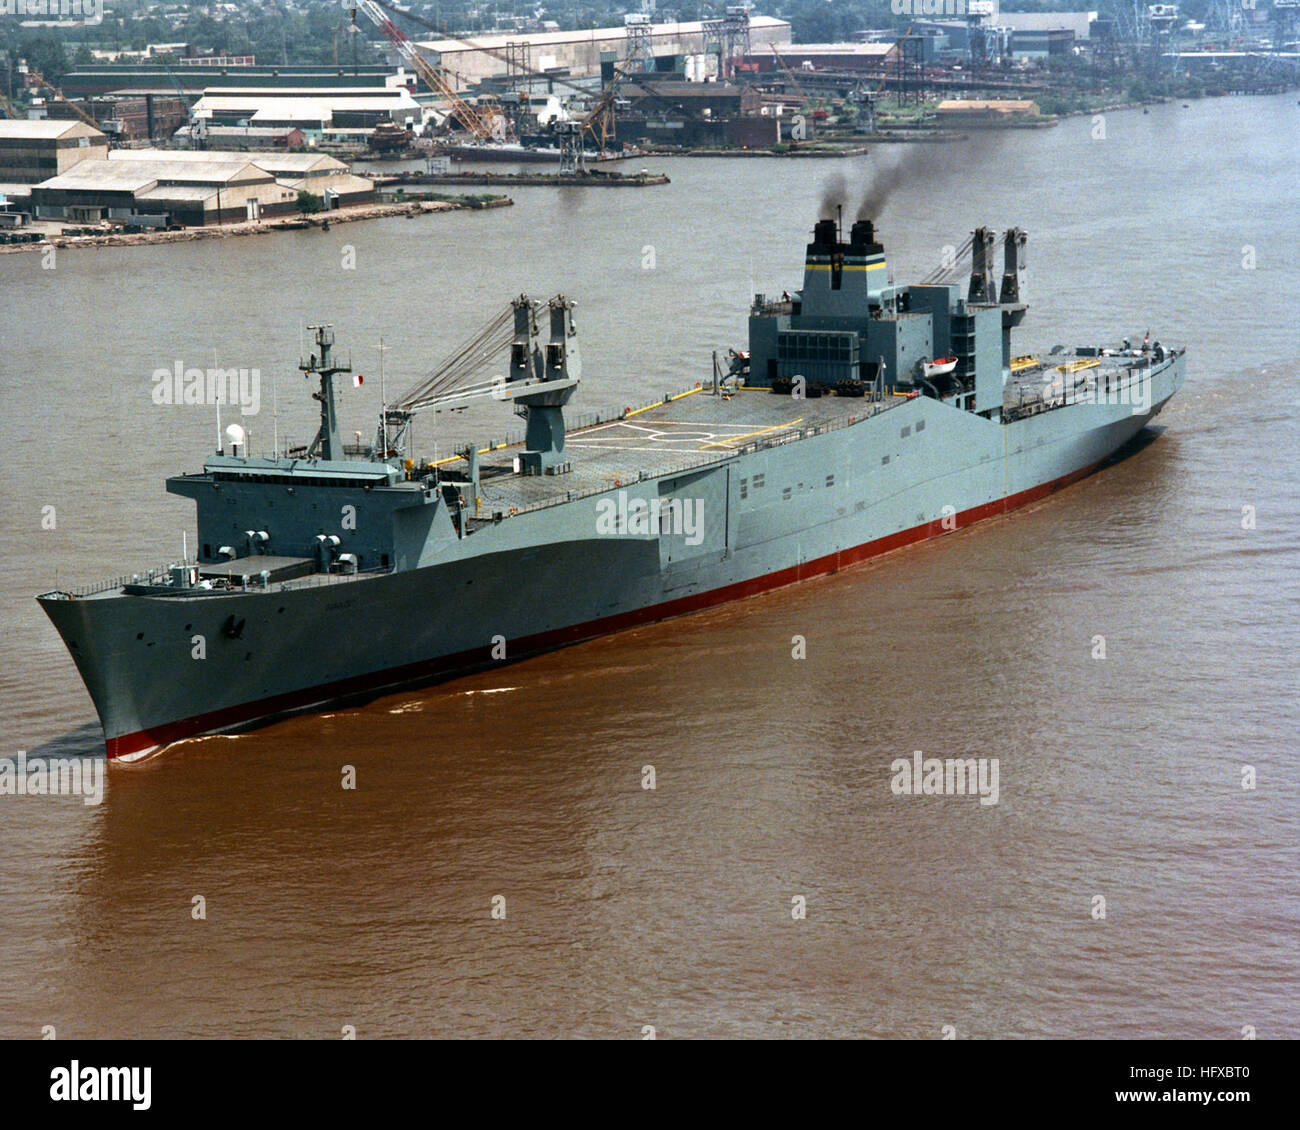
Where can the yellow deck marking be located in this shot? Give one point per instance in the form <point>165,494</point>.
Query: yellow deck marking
<point>502,447</point>
<point>747,435</point>
<point>660,403</point>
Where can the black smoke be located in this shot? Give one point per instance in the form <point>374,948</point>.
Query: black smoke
<point>835,192</point>
<point>890,169</point>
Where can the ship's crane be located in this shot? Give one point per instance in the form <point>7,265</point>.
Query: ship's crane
<point>485,126</point>
<point>543,370</point>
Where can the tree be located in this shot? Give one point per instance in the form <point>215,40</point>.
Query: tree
<point>309,203</point>
<point>46,53</point>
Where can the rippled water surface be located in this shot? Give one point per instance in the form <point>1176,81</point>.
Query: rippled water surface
<point>1119,778</point>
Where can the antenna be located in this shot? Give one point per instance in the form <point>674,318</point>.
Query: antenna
<point>217,402</point>
<point>383,402</point>
<point>275,416</point>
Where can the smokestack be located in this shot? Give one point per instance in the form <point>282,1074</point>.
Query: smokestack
<point>982,291</point>
<point>862,238</point>
<point>843,280</point>
<point>1013,262</point>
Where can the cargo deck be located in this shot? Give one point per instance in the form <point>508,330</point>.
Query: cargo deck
<point>689,430</point>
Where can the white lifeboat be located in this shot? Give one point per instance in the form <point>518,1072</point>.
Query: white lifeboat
<point>939,367</point>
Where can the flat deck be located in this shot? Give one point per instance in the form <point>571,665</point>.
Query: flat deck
<point>686,431</point>
<point>697,427</point>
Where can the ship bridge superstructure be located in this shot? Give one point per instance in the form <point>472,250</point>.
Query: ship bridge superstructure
<point>851,329</point>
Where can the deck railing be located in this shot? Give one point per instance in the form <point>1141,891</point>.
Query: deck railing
<point>158,573</point>
<point>688,462</point>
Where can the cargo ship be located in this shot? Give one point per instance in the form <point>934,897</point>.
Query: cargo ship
<point>863,416</point>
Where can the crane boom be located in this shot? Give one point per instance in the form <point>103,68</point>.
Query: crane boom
<point>598,119</point>
<point>794,82</point>
<point>45,84</point>
<point>482,126</point>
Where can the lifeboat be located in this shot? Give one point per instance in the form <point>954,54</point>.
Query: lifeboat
<point>939,367</point>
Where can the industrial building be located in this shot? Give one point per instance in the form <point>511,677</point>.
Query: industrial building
<point>1018,35</point>
<point>161,187</point>
<point>15,206</point>
<point>694,114</point>
<point>323,114</point>
<point>1049,43</point>
<point>828,57</point>
<point>159,193</point>
<point>988,14</point>
<point>326,176</point>
<point>702,99</point>
<point>131,117</point>
<point>244,137</point>
<point>975,113</point>
<point>1080,23</point>
<point>32,151</point>
<point>665,47</point>
<point>98,79</point>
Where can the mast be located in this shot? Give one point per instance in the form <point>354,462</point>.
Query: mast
<point>327,441</point>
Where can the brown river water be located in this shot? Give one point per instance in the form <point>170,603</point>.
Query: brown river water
<point>626,907</point>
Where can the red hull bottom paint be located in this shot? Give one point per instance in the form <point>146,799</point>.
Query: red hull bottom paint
<point>142,742</point>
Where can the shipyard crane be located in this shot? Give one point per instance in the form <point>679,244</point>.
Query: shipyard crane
<point>197,126</point>
<point>794,82</point>
<point>485,126</point>
<point>42,84</point>
<point>599,119</point>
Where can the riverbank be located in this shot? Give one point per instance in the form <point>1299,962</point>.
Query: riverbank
<point>592,179</point>
<point>264,227</point>
<point>783,150</point>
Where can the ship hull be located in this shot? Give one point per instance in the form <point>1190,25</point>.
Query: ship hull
<point>772,517</point>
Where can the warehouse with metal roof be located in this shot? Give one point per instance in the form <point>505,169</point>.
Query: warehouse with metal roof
<point>161,187</point>
<point>320,114</point>
<point>328,177</point>
<point>35,150</point>
<point>581,53</point>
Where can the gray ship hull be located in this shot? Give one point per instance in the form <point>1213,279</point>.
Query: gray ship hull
<point>818,501</point>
